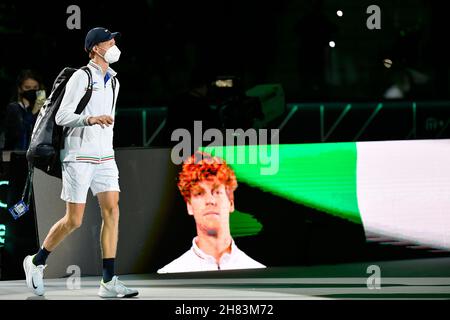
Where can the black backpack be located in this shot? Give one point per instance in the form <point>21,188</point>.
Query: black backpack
<point>47,138</point>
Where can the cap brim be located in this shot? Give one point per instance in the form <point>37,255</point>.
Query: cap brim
<point>115,35</point>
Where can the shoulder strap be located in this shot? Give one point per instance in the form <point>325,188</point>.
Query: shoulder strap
<point>113,84</point>
<point>87,96</point>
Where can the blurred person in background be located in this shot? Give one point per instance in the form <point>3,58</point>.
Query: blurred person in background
<point>20,115</point>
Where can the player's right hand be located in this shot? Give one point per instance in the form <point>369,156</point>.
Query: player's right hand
<point>103,120</point>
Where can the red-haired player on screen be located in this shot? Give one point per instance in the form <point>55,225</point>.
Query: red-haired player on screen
<point>207,185</point>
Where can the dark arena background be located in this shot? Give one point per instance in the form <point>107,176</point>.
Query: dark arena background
<point>334,116</point>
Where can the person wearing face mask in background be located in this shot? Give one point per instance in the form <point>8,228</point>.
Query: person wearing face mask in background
<point>88,163</point>
<point>21,114</point>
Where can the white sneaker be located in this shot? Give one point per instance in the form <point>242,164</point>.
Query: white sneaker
<point>34,275</point>
<point>115,289</point>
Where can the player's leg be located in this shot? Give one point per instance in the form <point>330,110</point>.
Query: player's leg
<point>109,205</point>
<point>75,187</point>
<point>71,221</point>
<point>105,186</point>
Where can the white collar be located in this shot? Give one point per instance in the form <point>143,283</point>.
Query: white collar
<point>96,66</point>
<point>205,256</point>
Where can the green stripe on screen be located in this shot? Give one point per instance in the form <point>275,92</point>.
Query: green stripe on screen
<point>321,176</point>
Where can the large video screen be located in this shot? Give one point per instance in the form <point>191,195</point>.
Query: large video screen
<point>340,202</point>
<point>290,205</point>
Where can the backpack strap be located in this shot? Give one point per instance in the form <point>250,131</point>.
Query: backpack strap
<point>87,96</point>
<point>113,84</point>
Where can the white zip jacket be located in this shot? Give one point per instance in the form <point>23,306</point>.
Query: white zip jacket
<point>84,143</point>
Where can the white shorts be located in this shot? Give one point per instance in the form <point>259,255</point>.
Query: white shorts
<point>78,177</point>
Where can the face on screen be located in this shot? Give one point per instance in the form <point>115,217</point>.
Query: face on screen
<point>210,206</point>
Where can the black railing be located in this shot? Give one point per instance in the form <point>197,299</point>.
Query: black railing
<point>313,122</point>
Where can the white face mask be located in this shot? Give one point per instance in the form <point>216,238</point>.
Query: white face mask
<point>112,54</point>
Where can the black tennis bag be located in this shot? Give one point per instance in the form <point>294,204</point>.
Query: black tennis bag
<point>47,138</point>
